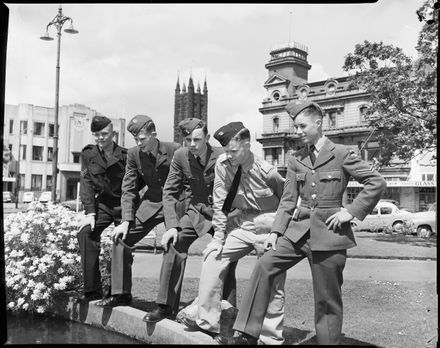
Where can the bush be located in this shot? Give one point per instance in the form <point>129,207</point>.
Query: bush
<point>408,228</point>
<point>42,256</point>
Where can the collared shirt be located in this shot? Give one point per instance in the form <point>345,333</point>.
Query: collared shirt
<point>319,144</point>
<point>259,190</point>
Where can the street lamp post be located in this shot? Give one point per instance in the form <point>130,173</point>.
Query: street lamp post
<point>58,22</point>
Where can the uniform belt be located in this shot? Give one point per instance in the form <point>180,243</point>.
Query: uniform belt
<point>322,203</point>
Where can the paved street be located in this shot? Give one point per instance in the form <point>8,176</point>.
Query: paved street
<point>148,265</point>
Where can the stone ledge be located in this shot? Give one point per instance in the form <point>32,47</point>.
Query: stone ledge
<point>128,321</point>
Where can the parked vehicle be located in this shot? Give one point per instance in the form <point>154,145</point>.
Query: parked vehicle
<point>46,196</point>
<point>8,197</point>
<point>71,204</point>
<point>425,222</point>
<point>28,197</point>
<point>384,214</point>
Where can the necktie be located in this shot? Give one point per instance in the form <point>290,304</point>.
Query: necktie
<point>232,192</point>
<point>312,153</point>
<point>200,161</point>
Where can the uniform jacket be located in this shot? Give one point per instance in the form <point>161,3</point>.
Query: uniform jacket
<point>259,190</point>
<point>185,168</point>
<point>101,180</point>
<point>137,200</point>
<point>321,187</point>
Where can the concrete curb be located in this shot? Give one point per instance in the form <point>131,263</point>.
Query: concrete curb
<point>128,321</point>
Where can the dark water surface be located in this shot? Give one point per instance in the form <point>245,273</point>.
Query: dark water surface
<point>29,328</point>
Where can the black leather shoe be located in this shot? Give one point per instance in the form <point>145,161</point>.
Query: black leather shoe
<point>88,296</point>
<point>192,324</point>
<point>158,314</point>
<point>115,300</point>
<point>241,339</point>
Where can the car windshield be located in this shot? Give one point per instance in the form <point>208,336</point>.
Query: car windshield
<point>433,207</point>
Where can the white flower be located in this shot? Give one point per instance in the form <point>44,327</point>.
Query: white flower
<point>11,304</point>
<point>40,309</point>
<point>25,306</point>
<point>24,237</point>
<point>60,270</point>
<point>20,301</point>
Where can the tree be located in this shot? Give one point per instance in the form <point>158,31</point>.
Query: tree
<point>403,91</point>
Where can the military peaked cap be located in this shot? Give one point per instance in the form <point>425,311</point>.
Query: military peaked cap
<point>99,122</point>
<point>189,124</point>
<point>137,123</point>
<point>295,107</point>
<point>226,133</point>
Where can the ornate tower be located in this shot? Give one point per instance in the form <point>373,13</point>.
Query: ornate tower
<point>189,103</point>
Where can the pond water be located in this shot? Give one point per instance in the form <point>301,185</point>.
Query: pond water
<point>29,328</point>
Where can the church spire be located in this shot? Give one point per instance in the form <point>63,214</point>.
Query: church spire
<point>177,85</point>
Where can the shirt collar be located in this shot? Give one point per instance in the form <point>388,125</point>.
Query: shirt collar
<point>246,166</point>
<point>320,143</point>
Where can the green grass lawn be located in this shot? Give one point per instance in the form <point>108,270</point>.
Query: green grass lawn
<point>379,313</point>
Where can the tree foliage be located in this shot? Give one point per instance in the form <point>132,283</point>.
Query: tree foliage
<point>403,91</point>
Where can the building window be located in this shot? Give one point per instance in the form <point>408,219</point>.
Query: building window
<point>49,154</point>
<point>22,178</point>
<point>276,124</point>
<point>38,128</point>
<point>392,193</point>
<point>373,153</point>
<point>362,113</point>
<point>303,93</point>
<point>36,182</point>
<point>23,149</point>
<point>23,127</point>
<point>276,95</point>
<point>51,130</point>
<point>332,119</point>
<point>428,177</point>
<point>76,157</point>
<point>426,197</point>
<point>331,89</point>
<point>352,193</point>
<point>37,153</point>
<point>10,147</point>
<point>49,182</point>
<point>11,126</point>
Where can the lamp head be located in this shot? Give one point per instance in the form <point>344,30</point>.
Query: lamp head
<point>46,36</point>
<point>71,30</point>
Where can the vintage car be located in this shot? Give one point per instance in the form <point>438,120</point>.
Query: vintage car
<point>45,196</point>
<point>8,197</point>
<point>28,197</point>
<point>384,215</point>
<point>425,222</point>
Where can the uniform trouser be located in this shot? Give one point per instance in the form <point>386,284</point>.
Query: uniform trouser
<point>122,257</point>
<point>326,267</point>
<point>90,246</point>
<point>238,243</point>
<point>173,269</point>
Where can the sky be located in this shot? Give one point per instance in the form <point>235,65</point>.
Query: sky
<point>127,57</point>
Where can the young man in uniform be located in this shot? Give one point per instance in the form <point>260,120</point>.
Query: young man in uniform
<point>147,167</point>
<point>251,188</point>
<point>192,165</point>
<point>311,222</point>
<point>102,170</point>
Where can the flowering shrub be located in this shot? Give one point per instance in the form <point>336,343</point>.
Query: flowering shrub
<point>42,256</point>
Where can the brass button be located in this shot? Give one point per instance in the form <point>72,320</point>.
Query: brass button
<point>313,184</point>
<point>314,196</point>
<point>311,209</point>
<point>329,176</point>
<point>313,171</point>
